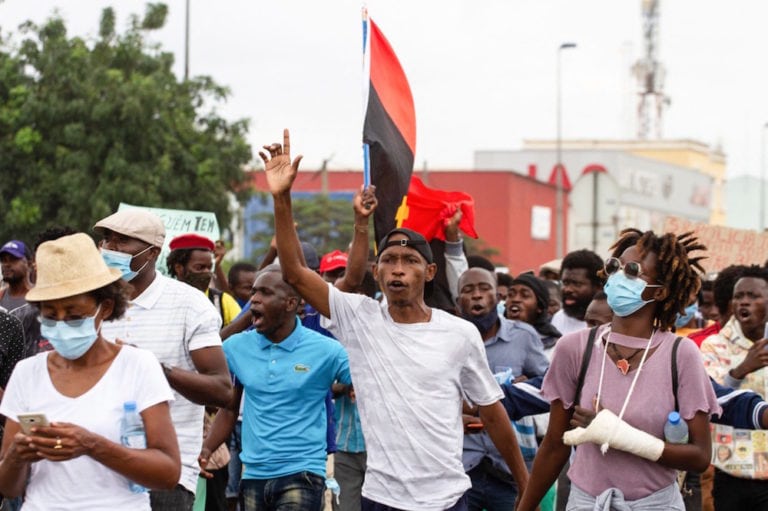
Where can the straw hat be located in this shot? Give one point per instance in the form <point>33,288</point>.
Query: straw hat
<point>69,266</point>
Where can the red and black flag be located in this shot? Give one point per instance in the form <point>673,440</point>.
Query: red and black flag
<point>389,130</point>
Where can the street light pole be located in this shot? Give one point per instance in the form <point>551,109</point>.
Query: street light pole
<point>186,43</point>
<point>559,197</point>
<point>761,224</point>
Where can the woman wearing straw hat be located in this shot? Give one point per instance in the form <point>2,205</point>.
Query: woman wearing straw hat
<point>78,462</point>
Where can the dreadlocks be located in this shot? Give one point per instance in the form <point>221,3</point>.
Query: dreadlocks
<point>676,270</point>
<point>179,256</point>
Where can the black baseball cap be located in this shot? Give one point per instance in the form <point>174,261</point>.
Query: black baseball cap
<point>414,240</point>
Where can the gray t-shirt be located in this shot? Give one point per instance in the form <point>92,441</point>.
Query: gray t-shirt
<point>9,302</point>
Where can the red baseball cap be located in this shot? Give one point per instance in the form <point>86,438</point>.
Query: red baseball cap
<point>192,240</point>
<point>333,261</point>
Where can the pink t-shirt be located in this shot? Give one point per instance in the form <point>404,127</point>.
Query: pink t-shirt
<point>651,402</point>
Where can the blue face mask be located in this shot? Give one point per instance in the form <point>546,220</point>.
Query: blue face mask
<point>122,262</point>
<point>625,295</point>
<point>70,339</point>
<point>690,313</point>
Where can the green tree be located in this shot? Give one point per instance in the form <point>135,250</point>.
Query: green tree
<point>85,125</point>
<point>324,222</point>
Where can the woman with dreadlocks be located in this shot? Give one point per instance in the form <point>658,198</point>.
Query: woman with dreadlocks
<point>616,383</point>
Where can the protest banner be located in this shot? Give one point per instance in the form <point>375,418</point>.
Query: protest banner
<point>179,221</point>
<point>725,245</point>
<point>740,452</point>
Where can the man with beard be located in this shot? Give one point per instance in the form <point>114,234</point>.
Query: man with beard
<point>580,283</point>
<point>511,346</point>
<point>736,356</point>
<point>191,261</point>
<point>16,265</point>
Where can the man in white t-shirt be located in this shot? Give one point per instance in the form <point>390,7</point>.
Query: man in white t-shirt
<point>412,365</point>
<point>180,326</point>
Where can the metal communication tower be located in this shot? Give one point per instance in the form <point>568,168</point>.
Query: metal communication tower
<point>650,74</point>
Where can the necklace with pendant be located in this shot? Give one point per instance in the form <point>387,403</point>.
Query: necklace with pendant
<point>604,447</point>
<point>623,362</point>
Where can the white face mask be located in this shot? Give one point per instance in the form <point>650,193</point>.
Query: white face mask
<point>71,339</point>
<point>625,295</point>
<point>122,262</point>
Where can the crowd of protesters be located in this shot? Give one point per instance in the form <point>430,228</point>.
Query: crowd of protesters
<point>414,379</point>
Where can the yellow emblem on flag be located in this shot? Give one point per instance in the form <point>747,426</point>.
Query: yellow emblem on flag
<point>402,212</point>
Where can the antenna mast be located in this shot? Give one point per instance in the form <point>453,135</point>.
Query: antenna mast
<point>650,74</point>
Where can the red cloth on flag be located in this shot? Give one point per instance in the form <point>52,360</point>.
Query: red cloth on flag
<point>429,210</point>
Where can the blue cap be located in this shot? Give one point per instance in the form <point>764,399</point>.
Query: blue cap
<point>129,406</point>
<point>17,249</point>
<point>673,417</point>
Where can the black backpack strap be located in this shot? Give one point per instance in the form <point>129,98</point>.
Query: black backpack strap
<point>674,371</point>
<point>585,364</point>
<point>215,296</point>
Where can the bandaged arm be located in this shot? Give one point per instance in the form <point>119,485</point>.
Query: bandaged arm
<point>608,431</point>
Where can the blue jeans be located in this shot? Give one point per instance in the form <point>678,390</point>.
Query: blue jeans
<point>370,505</point>
<point>235,465</point>
<point>296,492</point>
<point>488,492</point>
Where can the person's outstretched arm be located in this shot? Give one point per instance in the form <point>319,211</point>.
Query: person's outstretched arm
<point>741,408</point>
<point>364,204</point>
<point>524,399</point>
<point>281,173</point>
<point>220,430</point>
<point>270,256</point>
<point>455,260</point>
<point>219,277</point>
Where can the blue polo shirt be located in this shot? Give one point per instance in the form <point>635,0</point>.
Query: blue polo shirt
<point>284,389</point>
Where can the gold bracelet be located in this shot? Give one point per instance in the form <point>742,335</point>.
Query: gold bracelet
<point>362,229</point>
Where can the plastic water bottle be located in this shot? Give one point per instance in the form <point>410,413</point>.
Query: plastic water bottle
<point>132,434</point>
<point>676,429</point>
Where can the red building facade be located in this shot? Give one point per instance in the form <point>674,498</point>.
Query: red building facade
<point>504,208</point>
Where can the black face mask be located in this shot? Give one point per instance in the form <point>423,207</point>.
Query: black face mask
<point>483,323</point>
<point>200,280</point>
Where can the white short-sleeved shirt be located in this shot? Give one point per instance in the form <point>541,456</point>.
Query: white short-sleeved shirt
<point>410,380</point>
<point>566,324</point>
<point>83,483</point>
<point>172,319</point>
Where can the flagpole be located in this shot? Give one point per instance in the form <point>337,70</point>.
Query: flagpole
<point>366,85</point>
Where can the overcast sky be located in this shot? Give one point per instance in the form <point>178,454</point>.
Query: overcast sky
<point>482,72</point>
